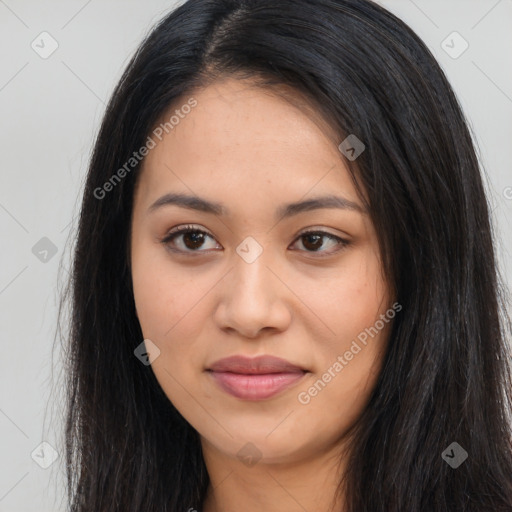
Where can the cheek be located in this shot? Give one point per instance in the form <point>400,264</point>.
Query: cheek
<point>170,312</point>
<point>164,297</point>
<point>349,302</point>
<point>338,393</point>
<point>352,307</point>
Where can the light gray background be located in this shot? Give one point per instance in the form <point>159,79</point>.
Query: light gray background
<point>50,112</point>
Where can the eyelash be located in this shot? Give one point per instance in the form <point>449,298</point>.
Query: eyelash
<point>169,237</point>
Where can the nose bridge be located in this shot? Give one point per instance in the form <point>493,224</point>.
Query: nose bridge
<point>253,299</point>
<point>252,277</point>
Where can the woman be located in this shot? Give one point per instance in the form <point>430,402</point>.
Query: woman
<point>285,293</point>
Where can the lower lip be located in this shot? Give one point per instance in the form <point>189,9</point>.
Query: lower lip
<point>255,387</point>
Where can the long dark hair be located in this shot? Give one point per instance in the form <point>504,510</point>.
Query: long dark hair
<point>445,376</point>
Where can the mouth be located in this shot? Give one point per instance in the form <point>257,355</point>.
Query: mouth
<point>255,378</point>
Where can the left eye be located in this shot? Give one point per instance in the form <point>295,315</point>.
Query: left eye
<point>314,240</point>
<point>188,239</point>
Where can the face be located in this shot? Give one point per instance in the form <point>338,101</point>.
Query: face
<point>252,276</point>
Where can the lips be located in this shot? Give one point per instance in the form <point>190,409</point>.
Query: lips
<point>256,365</point>
<point>255,378</point>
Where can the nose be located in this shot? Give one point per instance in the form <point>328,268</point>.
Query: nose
<point>253,298</point>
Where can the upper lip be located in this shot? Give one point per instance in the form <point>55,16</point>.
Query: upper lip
<point>255,365</point>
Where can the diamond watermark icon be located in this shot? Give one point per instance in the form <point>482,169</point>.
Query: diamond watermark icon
<point>454,45</point>
<point>44,455</point>
<point>454,455</point>
<point>352,147</point>
<point>44,250</point>
<point>146,352</point>
<point>249,249</point>
<point>249,454</point>
<point>44,45</point>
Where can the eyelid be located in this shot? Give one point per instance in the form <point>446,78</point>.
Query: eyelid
<point>196,227</point>
<point>187,227</point>
<point>183,229</point>
<point>318,229</point>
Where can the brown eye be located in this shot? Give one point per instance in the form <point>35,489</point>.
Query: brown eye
<point>313,241</point>
<point>186,239</point>
<point>193,240</point>
<point>189,239</point>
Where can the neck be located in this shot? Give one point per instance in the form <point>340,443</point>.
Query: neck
<point>295,484</point>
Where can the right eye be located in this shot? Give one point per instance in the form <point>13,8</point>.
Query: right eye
<point>186,239</point>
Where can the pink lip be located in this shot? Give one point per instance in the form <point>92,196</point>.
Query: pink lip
<point>255,378</point>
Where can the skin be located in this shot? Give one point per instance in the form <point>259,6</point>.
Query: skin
<point>252,151</point>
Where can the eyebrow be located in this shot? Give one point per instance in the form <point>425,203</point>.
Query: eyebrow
<point>284,211</point>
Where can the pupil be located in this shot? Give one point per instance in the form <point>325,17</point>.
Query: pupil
<point>315,244</point>
<point>196,240</point>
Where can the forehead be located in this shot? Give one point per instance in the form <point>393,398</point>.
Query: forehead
<point>249,141</point>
